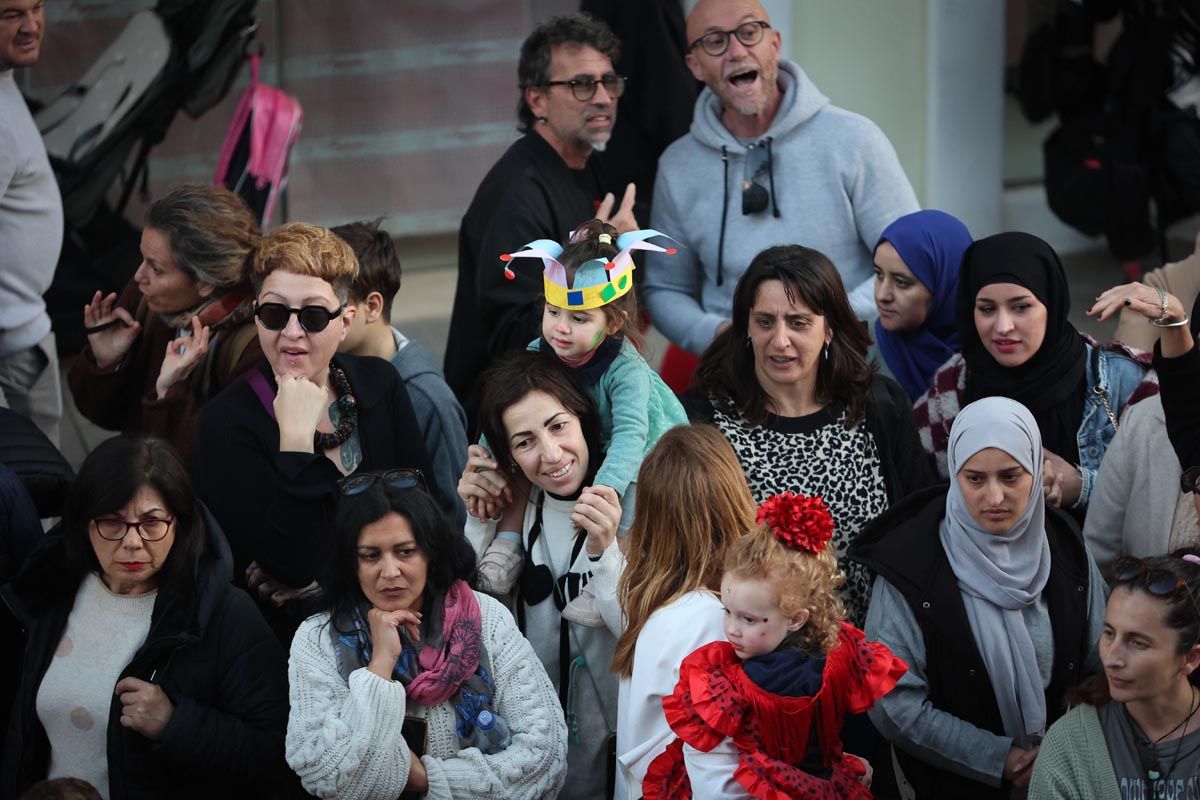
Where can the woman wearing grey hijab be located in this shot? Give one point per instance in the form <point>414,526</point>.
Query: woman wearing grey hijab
<point>991,598</point>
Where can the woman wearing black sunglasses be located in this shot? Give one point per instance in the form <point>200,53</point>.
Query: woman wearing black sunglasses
<point>181,331</point>
<point>273,447</point>
<point>1136,732</point>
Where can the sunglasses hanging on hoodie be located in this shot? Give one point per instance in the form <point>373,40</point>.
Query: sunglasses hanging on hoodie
<point>755,196</point>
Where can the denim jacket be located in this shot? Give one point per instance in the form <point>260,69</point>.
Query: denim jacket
<point>1112,374</point>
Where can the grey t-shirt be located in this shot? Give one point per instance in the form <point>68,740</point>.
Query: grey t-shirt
<point>1177,761</point>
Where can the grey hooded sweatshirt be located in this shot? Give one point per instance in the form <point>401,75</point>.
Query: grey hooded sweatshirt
<point>837,185</point>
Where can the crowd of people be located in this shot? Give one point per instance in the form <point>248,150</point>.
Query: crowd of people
<point>908,533</point>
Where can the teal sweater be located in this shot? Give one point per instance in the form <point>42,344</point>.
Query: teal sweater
<point>635,409</point>
<point>1073,763</point>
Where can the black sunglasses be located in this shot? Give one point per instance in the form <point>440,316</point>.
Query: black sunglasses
<point>1157,581</point>
<point>715,43</point>
<point>313,319</point>
<point>1189,481</point>
<point>757,177</point>
<point>584,88</point>
<point>392,479</point>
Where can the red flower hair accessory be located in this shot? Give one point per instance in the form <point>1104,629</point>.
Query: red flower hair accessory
<point>799,522</point>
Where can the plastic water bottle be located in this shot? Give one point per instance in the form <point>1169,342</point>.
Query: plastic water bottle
<point>493,733</point>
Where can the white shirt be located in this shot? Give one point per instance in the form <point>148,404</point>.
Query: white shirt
<point>670,634</point>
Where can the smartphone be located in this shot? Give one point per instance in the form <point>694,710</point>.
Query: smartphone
<point>414,731</point>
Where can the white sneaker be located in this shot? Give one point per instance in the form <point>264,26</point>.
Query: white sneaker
<point>500,566</point>
<point>584,610</point>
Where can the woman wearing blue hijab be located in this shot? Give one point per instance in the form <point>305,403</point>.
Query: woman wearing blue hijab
<point>917,261</point>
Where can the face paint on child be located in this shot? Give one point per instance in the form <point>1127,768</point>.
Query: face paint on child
<point>754,624</point>
<point>573,334</point>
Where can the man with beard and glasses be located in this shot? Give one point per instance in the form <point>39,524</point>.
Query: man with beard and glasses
<point>545,185</point>
<point>768,160</point>
<point>31,231</point>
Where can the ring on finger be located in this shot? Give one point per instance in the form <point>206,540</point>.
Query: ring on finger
<point>1162,301</point>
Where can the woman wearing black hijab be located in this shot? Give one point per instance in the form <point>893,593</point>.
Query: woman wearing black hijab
<point>1017,342</point>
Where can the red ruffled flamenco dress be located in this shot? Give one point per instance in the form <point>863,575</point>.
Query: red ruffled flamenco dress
<point>715,700</point>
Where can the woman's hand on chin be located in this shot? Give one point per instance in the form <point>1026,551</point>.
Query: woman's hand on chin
<point>181,357</point>
<point>115,329</point>
<point>597,512</point>
<point>385,638</point>
<point>483,488</point>
<point>299,406</point>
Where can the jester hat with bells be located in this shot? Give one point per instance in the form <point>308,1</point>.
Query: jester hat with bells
<point>597,282</point>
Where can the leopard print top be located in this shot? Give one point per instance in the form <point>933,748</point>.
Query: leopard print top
<point>815,455</point>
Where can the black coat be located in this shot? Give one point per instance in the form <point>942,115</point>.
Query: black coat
<point>530,193</point>
<point>210,651</point>
<point>1179,388</point>
<point>902,546</point>
<point>277,508</point>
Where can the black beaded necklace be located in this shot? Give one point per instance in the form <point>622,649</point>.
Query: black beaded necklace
<point>347,407</point>
<point>1148,751</point>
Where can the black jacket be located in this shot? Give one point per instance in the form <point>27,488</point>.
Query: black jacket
<point>889,420</point>
<point>530,193</point>
<point>277,508</point>
<point>902,546</point>
<point>210,651</point>
<point>1179,388</point>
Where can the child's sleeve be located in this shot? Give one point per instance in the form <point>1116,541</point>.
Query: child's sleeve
<point>627,386</point>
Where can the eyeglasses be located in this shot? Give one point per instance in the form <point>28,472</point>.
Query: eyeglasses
<point>715,43</point>
<point>584,88</point>
<point>757,175</point>
<point>392,479</point>
<point>313,319</point>
<point>1189,481</point>
<point>114,530</point>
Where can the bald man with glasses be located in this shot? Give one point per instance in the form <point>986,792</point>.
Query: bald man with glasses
<point>768,160</point>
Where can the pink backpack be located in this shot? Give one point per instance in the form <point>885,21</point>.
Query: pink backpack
<point>264,128</point>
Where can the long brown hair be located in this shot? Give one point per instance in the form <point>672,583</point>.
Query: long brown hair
<point>692,502</point>
<point>727,366</point>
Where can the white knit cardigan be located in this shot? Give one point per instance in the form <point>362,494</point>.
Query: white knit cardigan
<point>344,741</point>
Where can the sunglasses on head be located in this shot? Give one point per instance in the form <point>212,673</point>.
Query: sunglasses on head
<point>313,319</point>
<point>391,479</point>
<point>1189,481</point>
<point>1157,581</point>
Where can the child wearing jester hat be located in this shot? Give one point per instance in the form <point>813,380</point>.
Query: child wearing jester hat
<point>771,700</point>
<point>589,325</point>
